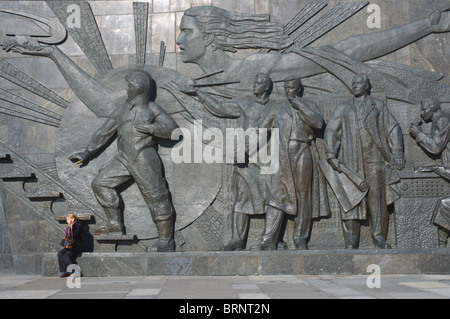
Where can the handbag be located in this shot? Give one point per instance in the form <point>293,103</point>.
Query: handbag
<point>67,241</point>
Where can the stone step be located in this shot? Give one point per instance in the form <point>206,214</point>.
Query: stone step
<point>247,263</point>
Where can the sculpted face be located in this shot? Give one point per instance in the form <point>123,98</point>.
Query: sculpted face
<point>191,40</point>
<point>291,88</point>
<point>133,90</point>
<point>427,110</point>
<point>260,85</point>
<point>359,85</point>
<point>138,83</point>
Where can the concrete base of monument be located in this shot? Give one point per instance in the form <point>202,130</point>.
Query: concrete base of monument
<point>247,263</point>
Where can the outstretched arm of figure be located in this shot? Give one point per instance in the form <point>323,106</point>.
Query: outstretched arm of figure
<point>100,138</point>
<point>95,96</point>
<point>364,47</point>
<point>373,45</point>
<point>91,92</point>
<point>215,107</point>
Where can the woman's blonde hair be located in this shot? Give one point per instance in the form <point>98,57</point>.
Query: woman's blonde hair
<point>72,216</point>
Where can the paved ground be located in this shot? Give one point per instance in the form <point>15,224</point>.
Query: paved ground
<point>227,287</point>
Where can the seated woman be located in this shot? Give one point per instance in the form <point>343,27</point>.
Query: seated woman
<point>69,253</point>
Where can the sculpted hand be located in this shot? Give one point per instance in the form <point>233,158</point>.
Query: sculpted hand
<point>186,87</point>
<point>440,20</point>
<point>398,162</point>
<point>335,164</point>
<point>8,45</point>
<point>146,129</point>
<point>440,170</point>
<point>295,103</point>
<point>80,157</point>
<point>415,130</point>
<point>14,46</point>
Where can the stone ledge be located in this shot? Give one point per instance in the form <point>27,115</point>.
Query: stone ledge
<point>311,262</point>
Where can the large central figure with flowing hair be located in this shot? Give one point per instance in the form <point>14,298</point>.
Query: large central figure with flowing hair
<point>207,33</point>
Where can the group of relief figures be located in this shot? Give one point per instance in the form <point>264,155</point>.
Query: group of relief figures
<point>363,141</point>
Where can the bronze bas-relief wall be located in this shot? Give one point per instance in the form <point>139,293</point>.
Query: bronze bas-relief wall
<point>64,76</point>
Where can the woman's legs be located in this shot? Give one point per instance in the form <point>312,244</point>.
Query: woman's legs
<point>66,257</point>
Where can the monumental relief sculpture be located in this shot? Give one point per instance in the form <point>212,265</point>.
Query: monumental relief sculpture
<point>251,183</point>
<point>305,120</point>
<point>363,137</point>
<point>206,201</point>
<point>438,144</point>
<point>137,122</point>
